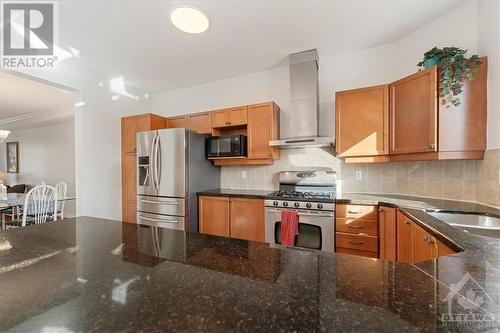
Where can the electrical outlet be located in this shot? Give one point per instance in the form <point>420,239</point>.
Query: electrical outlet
<point>243,174</point>
<point>358,175</point>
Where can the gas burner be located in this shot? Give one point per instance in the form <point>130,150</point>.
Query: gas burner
<point>303,195</point>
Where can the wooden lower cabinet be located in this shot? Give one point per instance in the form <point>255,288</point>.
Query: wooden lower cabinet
<point>403,238</point>
<point>357,230</point>
<point>130,211</point>
<point>424,245</point>
<point>247,219</point>
<point>385,233</point>
<point>232,217</point>
<point>415,244</point>
<point>387,225</point>
<point>214,215</point>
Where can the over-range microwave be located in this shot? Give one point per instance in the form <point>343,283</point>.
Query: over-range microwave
<point>226,146</point>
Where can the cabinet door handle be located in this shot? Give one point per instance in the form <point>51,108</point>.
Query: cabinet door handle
<point>354,212</point>
<point>432,146</point>
<point>356,243</point>
<point>407,222</point>
<point>355,226</point>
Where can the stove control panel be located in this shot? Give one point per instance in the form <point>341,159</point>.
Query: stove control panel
<point>324,206</point>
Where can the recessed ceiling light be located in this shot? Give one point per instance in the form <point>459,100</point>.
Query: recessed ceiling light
<point>189,20</point>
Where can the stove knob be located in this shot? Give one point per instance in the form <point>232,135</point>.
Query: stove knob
<point>308,205</point>
<point>320,206</point>
<point>275,203</point>
<point>285,204</point>
<point>296,205</point>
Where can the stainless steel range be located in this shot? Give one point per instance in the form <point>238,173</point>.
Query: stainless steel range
<point>312,195</point>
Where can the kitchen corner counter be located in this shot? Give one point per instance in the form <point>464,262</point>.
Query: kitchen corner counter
<point>240,193</point>
<point>416,207</point>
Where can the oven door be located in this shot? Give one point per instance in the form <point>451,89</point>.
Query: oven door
<point>316,229</point>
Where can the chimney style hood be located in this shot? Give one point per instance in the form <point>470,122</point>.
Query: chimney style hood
<point>299,126</point>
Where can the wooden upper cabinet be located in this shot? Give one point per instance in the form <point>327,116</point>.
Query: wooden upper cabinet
<point>424,246</point>
<point>214,215</point>
<point>263,122</point>
<point>220,118</point>
<point>362,121</point>
<point>414,111</point>
<point>134,124</point>
<point>237,116</point>
<point>229,117</point>
<point>200,122</point>
<point>177,122</point>
<point>469,118</point>
<point>387,224</point>
<point>247,219</point>
<point>404,238</point>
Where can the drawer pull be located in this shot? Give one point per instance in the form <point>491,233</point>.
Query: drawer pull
<point>355,226</point>
<point>356,243</point>
<point>354,211</point>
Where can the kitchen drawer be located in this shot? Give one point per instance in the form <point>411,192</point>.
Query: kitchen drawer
<point>356,242</point>
<point>357,226</point>
<point>357,252</point>
<point>357,212</point>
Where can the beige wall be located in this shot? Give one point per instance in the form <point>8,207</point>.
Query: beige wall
<point>461,180</point>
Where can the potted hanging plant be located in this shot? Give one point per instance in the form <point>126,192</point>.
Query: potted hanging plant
<point>454,69</point>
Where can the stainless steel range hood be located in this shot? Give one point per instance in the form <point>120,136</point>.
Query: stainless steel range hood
<point>299,125</point>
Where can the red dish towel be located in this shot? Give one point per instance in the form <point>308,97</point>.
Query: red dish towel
<point>289,227</point>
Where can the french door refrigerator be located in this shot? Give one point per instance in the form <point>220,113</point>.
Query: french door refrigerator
<point>171,169</point>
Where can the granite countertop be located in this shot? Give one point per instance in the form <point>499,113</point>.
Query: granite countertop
<point>226,192</point>
<point>88,274</point>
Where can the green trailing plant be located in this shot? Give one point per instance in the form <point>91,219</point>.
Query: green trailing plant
<point>454,69</point>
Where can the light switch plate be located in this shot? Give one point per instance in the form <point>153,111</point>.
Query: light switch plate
<point>243,174</point>
<point>358,175</point>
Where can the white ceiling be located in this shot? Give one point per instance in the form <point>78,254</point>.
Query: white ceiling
<point>137,40</point>
<point>21,97</point>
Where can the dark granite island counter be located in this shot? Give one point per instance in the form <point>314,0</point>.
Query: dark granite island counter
<point>87,274</point>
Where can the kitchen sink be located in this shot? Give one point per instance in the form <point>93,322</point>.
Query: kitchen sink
<point>474,223</point>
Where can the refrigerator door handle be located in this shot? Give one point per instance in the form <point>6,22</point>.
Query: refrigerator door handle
<point>160,202</point>
<point>157,220</point>
<point>152,163</point>
<point>158,163</point>
<point>155,163</point>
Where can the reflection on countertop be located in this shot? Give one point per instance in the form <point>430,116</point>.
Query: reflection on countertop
<point>108,276</point>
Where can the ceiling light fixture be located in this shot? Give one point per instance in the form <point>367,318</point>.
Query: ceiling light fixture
<point>189,20</point>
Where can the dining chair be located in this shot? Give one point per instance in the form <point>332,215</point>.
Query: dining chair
<point>39,207</point>
<point>61,190</point>
<point>15,212</point>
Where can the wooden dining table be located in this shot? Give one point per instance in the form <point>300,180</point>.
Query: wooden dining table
<point>16,200</point>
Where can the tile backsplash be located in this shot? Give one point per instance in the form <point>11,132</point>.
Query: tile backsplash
<point>461,180</point>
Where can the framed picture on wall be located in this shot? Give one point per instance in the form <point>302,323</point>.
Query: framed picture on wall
<point>12,155</point>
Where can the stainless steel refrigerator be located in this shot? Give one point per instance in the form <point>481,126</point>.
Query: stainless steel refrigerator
<point>171,169</point>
